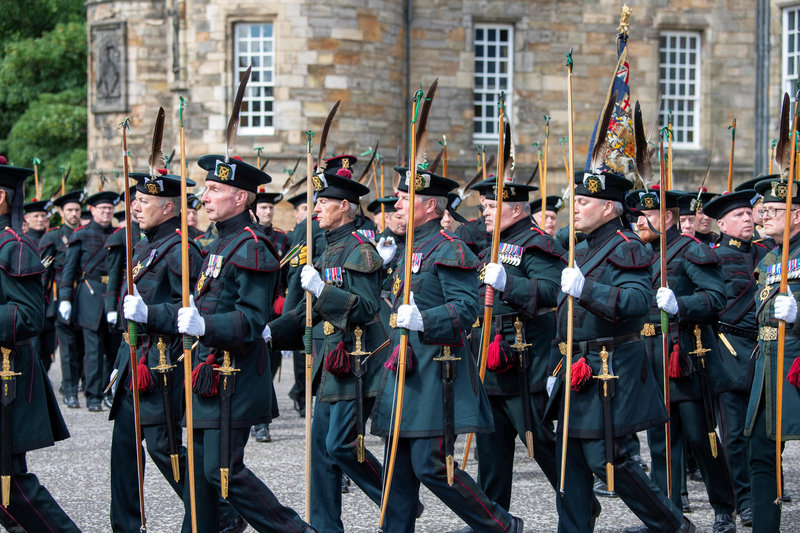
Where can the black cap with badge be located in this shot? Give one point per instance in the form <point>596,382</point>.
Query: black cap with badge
<point>604,185</point>
<point>234,172</point>
<point>426,183</point>
<point>722,205</point>
<point>167,185</point>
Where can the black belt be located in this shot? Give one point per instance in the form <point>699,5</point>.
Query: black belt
<point>96,277</point>
<point>747,333</point>
<point>597,344</point>
<point>21,343</point>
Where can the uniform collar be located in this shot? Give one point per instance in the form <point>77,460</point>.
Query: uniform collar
<point>519,226</point>
<point>234,224</point>
<point>161,231</point>
<point>339,233</point>
<point>734,243</point>
<point>428,228</point>
<point>102,229</point>
<point>5,221</point>
<point>35,234</point>
<point>599,236</point>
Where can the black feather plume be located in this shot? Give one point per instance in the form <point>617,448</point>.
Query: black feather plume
<point>233,122</point>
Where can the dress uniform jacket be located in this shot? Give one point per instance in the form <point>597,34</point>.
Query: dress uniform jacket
<point>445,285</point>
<point>115,263</point>
<point>53,250</point>
<point>474,234</point>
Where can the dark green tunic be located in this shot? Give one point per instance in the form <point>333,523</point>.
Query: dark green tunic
<point>115,263</point>
<point>53,250</point>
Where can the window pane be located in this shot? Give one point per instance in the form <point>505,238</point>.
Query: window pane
<point>254,46</point>
<point>679,68</point>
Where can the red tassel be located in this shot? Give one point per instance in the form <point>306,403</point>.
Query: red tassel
<point>794,373</point>
<point>391,363</point>
<point>143,376</point>
<point>278,305</point>
<point>581,372</point>
<point>204,379</point>
<point>499,357</point>
<point>675,362</point>
<point>337,362</point>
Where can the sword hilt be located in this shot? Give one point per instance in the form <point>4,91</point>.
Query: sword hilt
<point>699,351</point>
<point>163,367</point>
<point>6,373</point>
<point>358,351</point>
<point>519,345</point>
<point>605,375</point>
<point>446,355</point>
<point>227,369</point>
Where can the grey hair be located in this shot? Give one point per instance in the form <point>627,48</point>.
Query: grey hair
<point>251,198</point>
<point>352,210</point>
<point>619,209</point>
<point>176,203</point>
<point>525,206</point>
<point>441,202</point>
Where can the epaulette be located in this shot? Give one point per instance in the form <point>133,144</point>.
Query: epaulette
<point>454,252</point>
<point>699,255</point>
<point>76,230</point>
<point>363,257</point>
<point>118,229</point>
<point>18,255</point>
<point>253,233</point>
<point>631,252</point>
<point>761,244</point>
<point>538,230</point>
<point>244,252</point>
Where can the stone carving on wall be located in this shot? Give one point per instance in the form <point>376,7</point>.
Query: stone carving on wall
<point>107,74</point>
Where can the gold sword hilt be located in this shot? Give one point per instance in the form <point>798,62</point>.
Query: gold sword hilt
<point>605,376</point>
<point>699,351</point>
<point>227,369</point>
<point>7,375</point>
<point>358,351</point>
<point>518,342</point>
<point>163,367</point>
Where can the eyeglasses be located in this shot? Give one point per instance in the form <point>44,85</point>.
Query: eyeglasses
<point>771,212</point>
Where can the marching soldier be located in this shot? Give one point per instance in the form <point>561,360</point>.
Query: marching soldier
<point>441,371</point>
<point>703,222</point>
<point>738,333</point>
<point>611,285</point>
<point>53,249</point>
<point>235,292</point>
<point>29,409</point>
<point>688,217</point>
<point>157,278</point>
<point>760,424</point>
<point>83,284</point>
<point>553,205</point>
<point>347,339</point>
<point>758,233</point>
<point>473,232</point>
<point>193,204</point>
<point>391,247</point>
<point>37,219</point>
<point>697,369</point>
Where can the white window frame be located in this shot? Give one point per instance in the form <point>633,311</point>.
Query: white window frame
<point>485,96</point>
<point>675,84</point>
<point>262,78</point>
<point>790,35</point>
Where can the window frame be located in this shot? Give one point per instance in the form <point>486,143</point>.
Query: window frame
<point>258,72</point>
<point>480,137</point>
<point>663,70</point>
<point>787,81</point>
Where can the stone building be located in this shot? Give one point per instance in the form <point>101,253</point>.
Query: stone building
<point>709,60</point>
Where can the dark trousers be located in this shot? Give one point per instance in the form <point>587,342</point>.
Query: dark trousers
<point>333,451</point>
<point>251,498</point>
<point>298,391</point>
<point>496,449</point>
<point>733,411</point>
<point>587,458</point>
<point>687,421</point>
<point>422,461</point>
<point>99,360</point>
<point>71,347</point>
<point>766,515</point>
<point>31,506</point>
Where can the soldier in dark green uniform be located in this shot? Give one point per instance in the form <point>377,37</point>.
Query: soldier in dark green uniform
<point>738,256</point>
<point>444,283</point>
<point>697,368</point>
<point>37,221</point>
<point>473,232</point>
<point>391,247</point>
<point>703,223</point>
<point>193,204</point>
<point>83,283</point>
<point>157,278</point>
<point>346,319</point>
<point>688,217</point>
<point>758,234</point>
<point>611,285</point>
<point>233,295</point>
<point>53,248</point>
<point>772,307</point>
<point>35,420</point>
<point>553,205</point>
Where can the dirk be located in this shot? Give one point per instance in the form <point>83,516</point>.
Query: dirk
<point>606,393</point>
<point>9,380</point>
<point>164,371</point>
<point>227,374</point>
<point>700,354</point>
<point>448,374</point>
<point>727,343</point>
<point>359,369</point>
<point>524,363</point>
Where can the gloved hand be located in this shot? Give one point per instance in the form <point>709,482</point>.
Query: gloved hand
<point>134,308</point>
<point>65,310</point>
<point>266,334</point>
<point>786,307</point>
<point>310,281</point>
<point>572,281</point>
<point>111,318</point>
<point>386,248</point>
<point>666,300</point>
<point>495,275</point>
<point>189,320</point>
<point>409,317</point>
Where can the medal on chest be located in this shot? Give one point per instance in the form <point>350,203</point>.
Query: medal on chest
<point>333,276</point>
<point>774,271</point>
<point>416,262</point>
<point>764,294</point>
<point>510,253</point>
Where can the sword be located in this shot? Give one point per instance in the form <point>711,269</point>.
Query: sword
<point>359,370</point>
<point>228,378</point>
<point>447,372</point>
<point>606,389</point>
<point>524,363</point>
<point>702,370</point>
<point>9,380</point>
<point>164,371</point>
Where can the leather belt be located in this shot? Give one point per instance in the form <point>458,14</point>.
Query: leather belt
<point>770,333</point>
<point>19,344</point>
<point>597,344</point>
<point>747,333</point>
<point>96,277</point>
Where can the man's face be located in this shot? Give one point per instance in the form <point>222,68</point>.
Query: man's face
<point>643,229</point>
<point>589,213</point>
<point>71,214</point>
<point>148,213</point>
<point>300,213</point>
<point>703,223</point>
<point>330,212</point>
<point>402,205</point>
<point>265,212</point>
<point>738,223</point>
<point>549,224</point>
<point>687,225</point>
<point>102,213</point>
<point>447,221</point>
<point>507,217</point>
<point>191,218</point>
<point>37,220</point>
<point>774,216</point>
<point>223,201</point>
<point>396,223</point>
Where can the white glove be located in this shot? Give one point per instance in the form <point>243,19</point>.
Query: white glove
<point>65,310</point>
<point>134,308</point>
<point>310,280</point>
<point>786,307</point>
<point>666,300</point>
<point>495,275</point>
<point>266,334</point>
<point>189,320</point>
<point>111,318</point>
<point>572,281</point>
<point>409,317</point>
<point>386,248</point>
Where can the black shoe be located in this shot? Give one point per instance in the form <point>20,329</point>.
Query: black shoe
<point>642,463</point>
<point>724,523</point>
<point>685,505</point>
<point>95,407</point>
<point>108,401</point>
<point>786,499</point>
<point>420,508</point>
<point>345,484</point>
<point>300,408</point>
<point>237,526</point>
<point>517,525</point>
<point>746,517</point>
<point>696,475</point>
<point>262,435</point>
<point>72,401</point>
<point>601,489</point>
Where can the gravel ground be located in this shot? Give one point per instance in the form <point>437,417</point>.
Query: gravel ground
<point>76,471</point>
